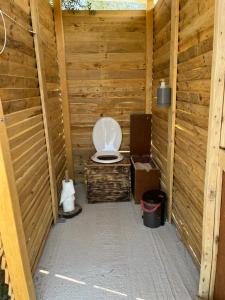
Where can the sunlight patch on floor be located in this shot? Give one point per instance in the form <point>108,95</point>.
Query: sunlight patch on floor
<point>45,272</point>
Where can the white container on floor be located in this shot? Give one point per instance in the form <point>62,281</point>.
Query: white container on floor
<point>68,196</point>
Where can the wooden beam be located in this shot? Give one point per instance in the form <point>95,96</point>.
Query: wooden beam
<point>222,135</point>
<point>63,83</point>
<point>44,98</point>
<point>172,109</point>
<point>149,56</point>
<point>216,232</point>
<point>212,192</point>
<point>11,227</point>
<point>222,159</point>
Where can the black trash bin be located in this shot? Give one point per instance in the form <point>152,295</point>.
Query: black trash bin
<point>153,205</point>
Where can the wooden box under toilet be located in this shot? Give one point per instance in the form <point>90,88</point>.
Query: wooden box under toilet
<point>108,182</point>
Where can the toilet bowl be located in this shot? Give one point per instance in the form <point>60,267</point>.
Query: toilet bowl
<point>107,138</point>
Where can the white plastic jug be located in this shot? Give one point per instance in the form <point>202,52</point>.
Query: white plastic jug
<point>68,196</point>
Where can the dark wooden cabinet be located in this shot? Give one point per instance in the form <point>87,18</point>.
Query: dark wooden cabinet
<point>144,173</point>
<point>143,179</point>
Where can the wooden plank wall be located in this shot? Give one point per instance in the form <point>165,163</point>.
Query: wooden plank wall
<point>53,85</point>
<point>3,267</point>
<point>192,109</point>
<point>105,56</point>
<point>191,131</point>
<point>20,97</point>
<point>161,69</point>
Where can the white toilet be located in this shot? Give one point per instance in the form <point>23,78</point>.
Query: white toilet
<point>107,138</point>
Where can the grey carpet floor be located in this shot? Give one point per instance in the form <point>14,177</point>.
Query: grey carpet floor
<point>107,254</point>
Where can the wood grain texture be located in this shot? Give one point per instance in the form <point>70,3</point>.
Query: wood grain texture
<point>14,254</point>
<point>108,182</point>
<point>161,69</point>
<point>4,268</point>
<point>21,102</point>
<point>105,56</point>
<point>54,95</point>
<point>191,127</point>
<point>172,109</point>
<point>213,174</point>
<point>39,52</point>
<point>219,291</point>
<point>149,55</point>
<point>63,84</point>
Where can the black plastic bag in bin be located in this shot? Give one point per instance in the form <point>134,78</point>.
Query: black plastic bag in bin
<point>153,206</point>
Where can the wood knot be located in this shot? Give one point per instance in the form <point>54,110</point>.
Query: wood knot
<point>212,195</point>
<point>97,65</point>
<point>217,239</point>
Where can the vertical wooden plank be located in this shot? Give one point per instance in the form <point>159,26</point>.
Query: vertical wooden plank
<point>162,11</point>
<point>222,143</point>
<point>217,274</point>
<point>172,109</point>
<point>63,83</point>
<point>212,192</point>
<point>149,55</point>
<point>11,227</point>
<point>44,98</point>
<point>222,135</point>
<point>219,291</point>
<point>216,230</point>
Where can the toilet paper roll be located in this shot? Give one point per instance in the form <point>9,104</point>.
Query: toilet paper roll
<point>69,204</point>
<point>68,190</point>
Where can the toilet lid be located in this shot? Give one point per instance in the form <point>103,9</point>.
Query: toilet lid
<point>107,135</point>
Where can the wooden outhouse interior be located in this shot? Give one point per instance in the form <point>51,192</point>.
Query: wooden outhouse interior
<point>60,71</point>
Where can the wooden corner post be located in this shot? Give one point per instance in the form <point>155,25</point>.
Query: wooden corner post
<point>149,56</point>
<point>213,186</point>
<point>172,110</point>
<point>63,84</point>
<point>11,227</point>
<point>44,99</point>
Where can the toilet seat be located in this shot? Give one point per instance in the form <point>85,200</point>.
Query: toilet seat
<point>113,157</point>
<point>107,138</point>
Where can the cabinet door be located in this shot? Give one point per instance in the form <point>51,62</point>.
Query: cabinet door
<point>140,134</point>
